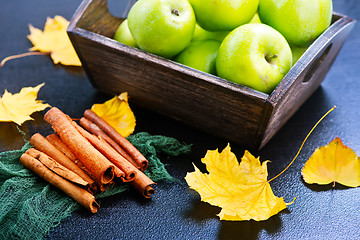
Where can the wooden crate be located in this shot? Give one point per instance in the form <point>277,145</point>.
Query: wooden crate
<point>212,104</point>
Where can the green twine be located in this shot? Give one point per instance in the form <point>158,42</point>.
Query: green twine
<point>30,207</point>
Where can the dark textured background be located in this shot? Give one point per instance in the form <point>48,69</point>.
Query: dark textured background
<point>175,212</point>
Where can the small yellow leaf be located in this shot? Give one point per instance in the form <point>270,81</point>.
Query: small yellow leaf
<point>54,39</point>
<point>19,106</point>
<point>117,113</point>
<point>332,163</point>
<point>241,190</point>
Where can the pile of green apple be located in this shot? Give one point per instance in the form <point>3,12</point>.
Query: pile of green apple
<point>250,42</point>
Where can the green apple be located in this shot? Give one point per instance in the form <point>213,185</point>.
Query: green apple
<point>254,55</point>
<point>299,21</point>
<point>201,55</point>
<point>255,19</point>
<point>223,15</point>
<point>297,52</point>
<point>202,34</point>
<point>162,27</point>
<point>124,36</point>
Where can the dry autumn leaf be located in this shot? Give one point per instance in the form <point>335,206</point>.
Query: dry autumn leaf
<point>54,40</point>
<point>241,190</point>
<point>117,113</point>
<point>19,106</point>
<point>332,163</point>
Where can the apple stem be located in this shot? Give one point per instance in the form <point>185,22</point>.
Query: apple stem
<point>175,12</point>
<point>270,58</point>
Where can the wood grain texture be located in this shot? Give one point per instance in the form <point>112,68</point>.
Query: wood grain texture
<point>207,102</point>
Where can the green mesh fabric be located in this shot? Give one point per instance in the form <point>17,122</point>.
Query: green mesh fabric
<point>30,207</point>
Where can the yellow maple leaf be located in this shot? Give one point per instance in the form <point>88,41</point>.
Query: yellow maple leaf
<point>240,189</point>
<point>117,113</point>
<point>54,39</point>
<point>332,163</point>
<point>19,106</point>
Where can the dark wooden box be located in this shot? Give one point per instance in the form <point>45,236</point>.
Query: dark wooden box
<point>204,101</point>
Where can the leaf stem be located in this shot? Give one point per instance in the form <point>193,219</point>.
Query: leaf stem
<point>22,55</point>
<point>307,136</point>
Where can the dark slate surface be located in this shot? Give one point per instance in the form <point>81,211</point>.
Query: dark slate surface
<point>175,212</point>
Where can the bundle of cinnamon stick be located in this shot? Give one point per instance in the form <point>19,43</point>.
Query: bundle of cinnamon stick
<point>83,159</point>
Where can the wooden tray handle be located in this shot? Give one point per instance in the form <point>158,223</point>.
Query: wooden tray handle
<point>315,63</point>
<point>310,74</point>
<point>94,16</point>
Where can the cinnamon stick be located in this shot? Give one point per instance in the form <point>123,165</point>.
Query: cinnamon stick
<point>116,158</point>
<point>142,184</point>
<point>94,129</point>
<point>43,145</point>
<point>103,188</point>
<point>79,194</point>
<point>118,138</point>
<point>93,160</point>
<point>58,143</point>
<point>56,167</point>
